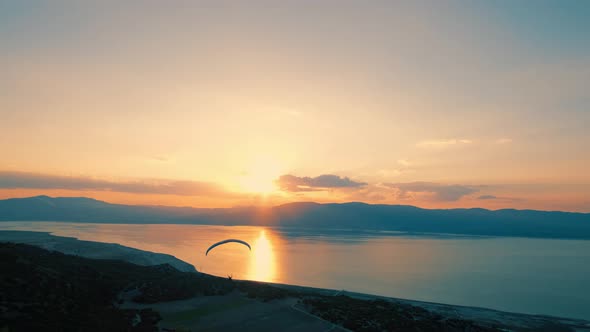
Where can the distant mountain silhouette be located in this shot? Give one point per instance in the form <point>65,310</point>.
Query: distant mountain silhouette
<point>312,216</point>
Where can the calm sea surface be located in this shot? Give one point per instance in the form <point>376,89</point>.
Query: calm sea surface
<point>540,276</point>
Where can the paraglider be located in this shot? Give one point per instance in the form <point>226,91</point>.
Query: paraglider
<point>227,241</point>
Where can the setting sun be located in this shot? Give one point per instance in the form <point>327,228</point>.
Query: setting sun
<point>258,183</point>
<point>260,176</point>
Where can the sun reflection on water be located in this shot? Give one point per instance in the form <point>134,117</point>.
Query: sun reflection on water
<point>262,261</point>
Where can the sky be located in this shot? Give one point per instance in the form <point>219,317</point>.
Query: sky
<point>438,104</point>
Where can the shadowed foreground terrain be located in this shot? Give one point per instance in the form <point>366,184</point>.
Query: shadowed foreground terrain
<point>50,291</point>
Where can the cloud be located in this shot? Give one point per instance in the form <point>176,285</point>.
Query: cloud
<point>160,158</point>
<point>402,166</point>
<point>404,162</point>
<point>22,180</point>
<point>292,112</point>
<point>487,197</point>
<point>370,193</point>
<point>440,192</point>
<point>503,140</point>
<point>384,173</point>
<point>441,144</point>
<point>294,183</point>
<point>498,198</point>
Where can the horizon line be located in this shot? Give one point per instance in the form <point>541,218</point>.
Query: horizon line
<point>290,203</point>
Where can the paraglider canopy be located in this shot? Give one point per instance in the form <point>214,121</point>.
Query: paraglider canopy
<point>227,241</point>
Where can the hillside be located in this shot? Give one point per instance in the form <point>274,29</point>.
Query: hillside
<point>91,249</point>
<point>50,291</point>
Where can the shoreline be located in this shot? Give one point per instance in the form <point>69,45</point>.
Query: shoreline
<point>93,249</point>
<point>450,310</point>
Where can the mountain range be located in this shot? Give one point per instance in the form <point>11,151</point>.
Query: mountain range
<point>310,216</point>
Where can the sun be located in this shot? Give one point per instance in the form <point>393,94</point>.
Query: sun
<point>260,176</point>
<point>258,183</point>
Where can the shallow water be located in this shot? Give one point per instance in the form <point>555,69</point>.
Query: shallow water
<point>540,276</point>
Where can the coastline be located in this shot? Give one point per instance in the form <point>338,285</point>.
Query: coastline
<point>92,249</point>
<point>97,250</point>
<point>480,314</point>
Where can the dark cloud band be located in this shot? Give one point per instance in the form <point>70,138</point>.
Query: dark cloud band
<point>294,183</point>
<point>441,192</point>
<point>22,180</point>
